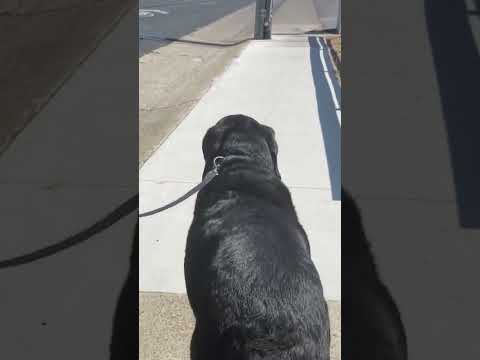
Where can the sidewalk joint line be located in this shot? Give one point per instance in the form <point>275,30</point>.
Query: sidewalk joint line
<point>164,182</point>
<point>52,185</point>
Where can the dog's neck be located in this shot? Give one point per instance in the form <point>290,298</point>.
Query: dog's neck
<point>234,162</point>
<point>245,174</point>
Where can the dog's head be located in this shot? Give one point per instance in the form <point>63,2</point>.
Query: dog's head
<point>244,136</point>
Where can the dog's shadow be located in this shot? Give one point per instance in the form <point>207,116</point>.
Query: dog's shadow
<point>124,342</point>
<point>371,324</point>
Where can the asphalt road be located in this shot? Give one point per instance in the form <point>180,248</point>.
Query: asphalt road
<point>176,18</point>
<point>162,19</point>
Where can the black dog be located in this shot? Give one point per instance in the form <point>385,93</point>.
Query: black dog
<point>250,280</point>
<point>124,343</point>
<point>371,324</point>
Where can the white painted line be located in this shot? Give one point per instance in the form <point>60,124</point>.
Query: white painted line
<point>329,80</point>
<point>319,42</point>
<point>151,12</point>
<point>332,90</point>
<point>322,58</point>
<point>164,12</point>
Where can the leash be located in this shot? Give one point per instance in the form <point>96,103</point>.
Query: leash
<point>217,162</point>
<point>119,213</point>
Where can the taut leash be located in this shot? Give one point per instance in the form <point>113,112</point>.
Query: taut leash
<point>123,210</point>
<point>208,177</point>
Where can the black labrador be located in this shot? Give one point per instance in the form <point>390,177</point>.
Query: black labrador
<point>251,283</point>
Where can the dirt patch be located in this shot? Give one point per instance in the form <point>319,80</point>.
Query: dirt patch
<point>335,44</point>
<point>166,326</point>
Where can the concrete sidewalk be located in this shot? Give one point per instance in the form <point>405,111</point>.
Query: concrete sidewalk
<point>53,185</point>
<point>286,83</point>
<point>43,44</point>
<point>175,75</point>
<point>166,325</point>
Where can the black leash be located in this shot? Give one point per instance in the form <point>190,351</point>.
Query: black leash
<point>119,213</point>
<point>208,177</point>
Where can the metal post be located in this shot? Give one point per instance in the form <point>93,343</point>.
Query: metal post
<point>267,34</point>
<point>263,19</point>
<point>339,18</point>
<point>259,19</point>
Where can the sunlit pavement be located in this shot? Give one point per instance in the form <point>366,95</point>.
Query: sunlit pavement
<point>273,82</point>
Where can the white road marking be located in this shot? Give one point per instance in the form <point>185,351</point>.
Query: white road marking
<point>329,81</point>
<point>151,12</point>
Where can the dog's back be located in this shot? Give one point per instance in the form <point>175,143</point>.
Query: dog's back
<point>262,293</point>
<point>250,280</point>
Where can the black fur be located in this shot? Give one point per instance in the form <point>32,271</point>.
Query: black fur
<point>250,280</point>
<point>371,324</point>
<point>124,343</point>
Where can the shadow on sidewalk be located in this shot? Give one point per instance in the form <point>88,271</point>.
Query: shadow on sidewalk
<point>456,58</point>
<point>372,327</point>
<point>125,342</point>
<point>160,40</point>
<point>182,19</point>
<point>328,120</point>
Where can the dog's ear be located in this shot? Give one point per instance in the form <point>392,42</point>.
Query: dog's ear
<point>212,142</point>
<point>270,137</point>
<point>272,145</point>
